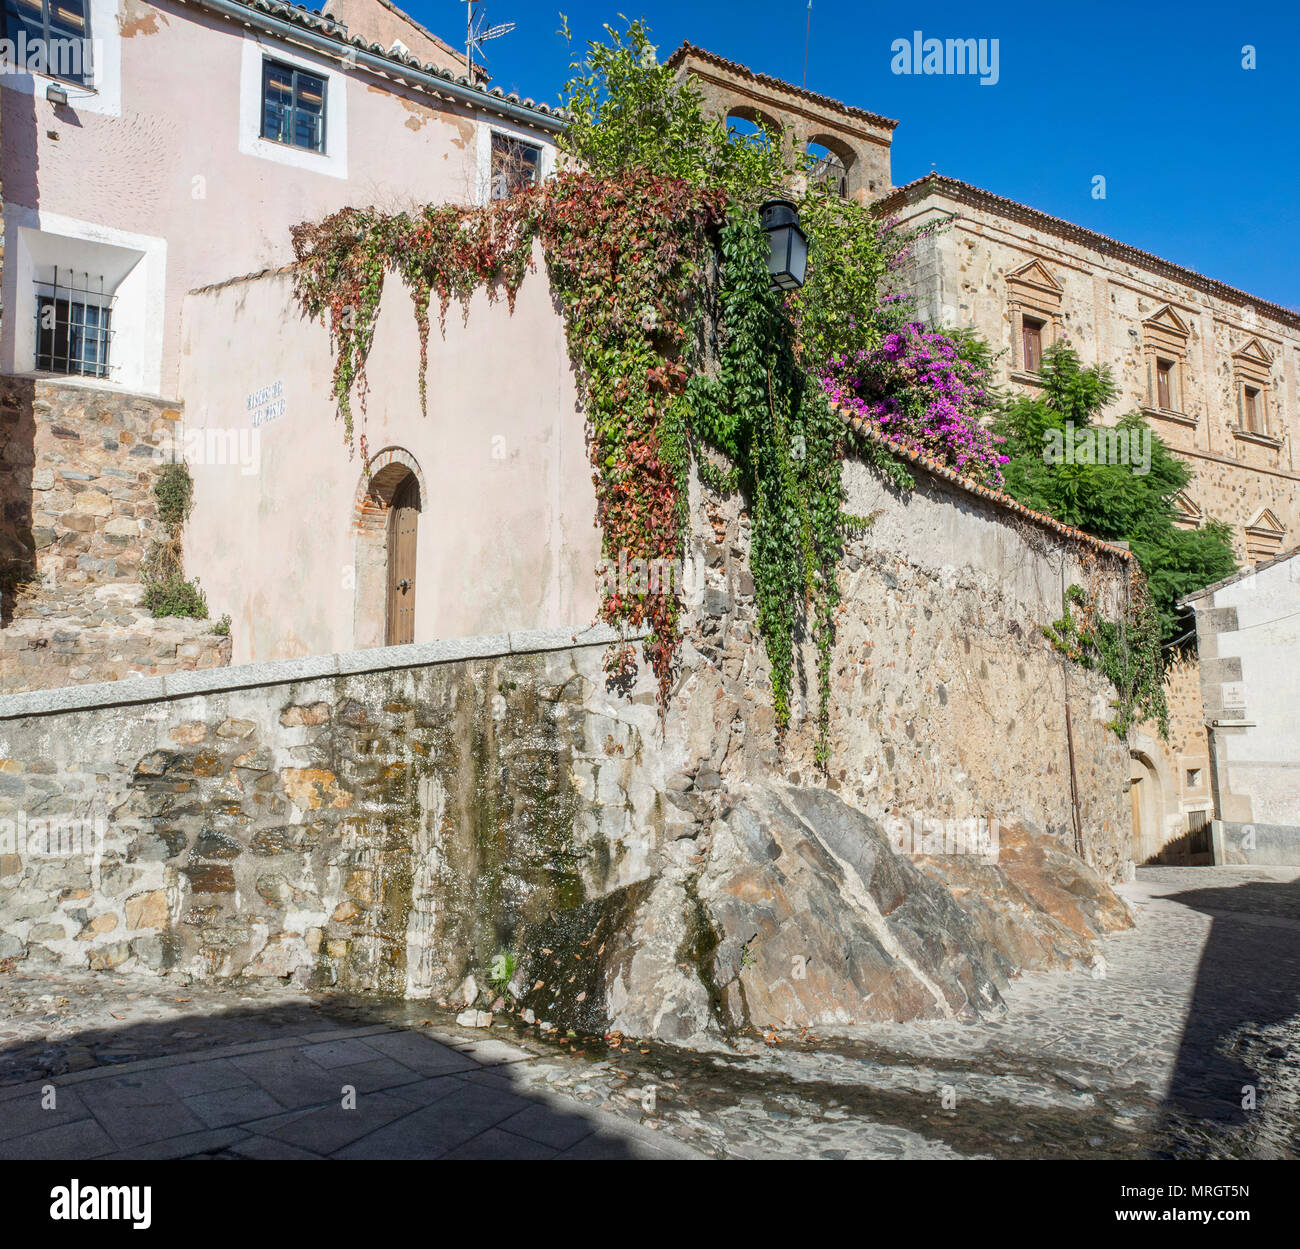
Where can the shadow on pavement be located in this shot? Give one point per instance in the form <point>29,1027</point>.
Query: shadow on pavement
<point>1236,1065</point>
<point>291,1080</point>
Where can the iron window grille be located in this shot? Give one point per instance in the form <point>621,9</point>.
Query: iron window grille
<point>515,165</point>
<point>56,31</point>
<point>73,325</point>
<point>293,106</point>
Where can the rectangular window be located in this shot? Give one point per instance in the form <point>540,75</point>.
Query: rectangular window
<point>1031,341</point>
<point>1164,385</point>
<point>1252,410</point>
<point>293,106</point>
<point>515,165</point>
<point>73,333</point>
<point>50,37</point>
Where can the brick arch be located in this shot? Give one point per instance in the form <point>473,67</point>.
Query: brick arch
<point>379,481</point>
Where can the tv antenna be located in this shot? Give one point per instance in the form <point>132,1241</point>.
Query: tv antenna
<point>478,32</point>
<point>807,39</point>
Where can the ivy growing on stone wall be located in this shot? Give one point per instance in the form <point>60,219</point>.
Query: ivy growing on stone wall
<point>1126,649</point>
<point>654,249</point>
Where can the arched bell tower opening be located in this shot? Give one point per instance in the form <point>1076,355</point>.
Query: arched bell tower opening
<point>849,146</point>
<point>390,497</point>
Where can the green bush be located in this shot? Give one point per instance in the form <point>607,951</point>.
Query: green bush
<point>176,597</point>
<point>174,491</point>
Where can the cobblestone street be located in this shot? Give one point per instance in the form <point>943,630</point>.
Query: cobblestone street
<point>1182,1044</point>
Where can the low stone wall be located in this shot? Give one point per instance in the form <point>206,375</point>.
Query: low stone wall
<point>77,467</point>
<point>371,820</point>
<point>394,820</point>
<point>49,654</point>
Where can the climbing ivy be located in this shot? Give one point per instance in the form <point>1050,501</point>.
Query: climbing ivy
<point>626,255</point>
<point>1127,650</point>
<point>655,252</point>
<point>447,250</point>
<point>786,447</point>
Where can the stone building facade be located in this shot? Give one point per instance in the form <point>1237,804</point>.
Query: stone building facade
<point>1215,370</point>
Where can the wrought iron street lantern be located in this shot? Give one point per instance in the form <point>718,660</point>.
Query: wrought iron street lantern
<point>787,260</point>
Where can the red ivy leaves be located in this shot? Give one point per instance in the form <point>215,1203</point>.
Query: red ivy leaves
<point>626,256</point>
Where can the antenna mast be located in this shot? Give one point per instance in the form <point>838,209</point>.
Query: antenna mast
<point>807,38</point>
<point>477,33</point>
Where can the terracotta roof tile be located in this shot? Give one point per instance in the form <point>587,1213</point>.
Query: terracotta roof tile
<point>998,498</point>
<point>689,49</point>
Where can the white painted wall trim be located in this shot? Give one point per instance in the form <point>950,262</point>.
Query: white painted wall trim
<point>333,162</point>
<point>138,313</point>
<point>104,96</point>
<point>483,152</point>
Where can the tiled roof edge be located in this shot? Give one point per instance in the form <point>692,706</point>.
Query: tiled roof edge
<point>330,28</point>
<point>1068,229</point>
<point>997,497</point>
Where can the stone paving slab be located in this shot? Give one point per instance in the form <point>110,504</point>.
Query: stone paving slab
<point>408,1094</point>
<point>1146,1059</point>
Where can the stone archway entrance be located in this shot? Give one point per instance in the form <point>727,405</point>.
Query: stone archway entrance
<point>390,497</point>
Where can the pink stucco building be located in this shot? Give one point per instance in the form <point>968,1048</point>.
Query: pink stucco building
<point>150,183</point>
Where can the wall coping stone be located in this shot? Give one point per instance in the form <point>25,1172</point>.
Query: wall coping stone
<point>187,684</point>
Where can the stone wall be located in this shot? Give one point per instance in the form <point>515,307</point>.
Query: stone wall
<point>77,467</point>
<point>947,702</point>
<point>391,820</point>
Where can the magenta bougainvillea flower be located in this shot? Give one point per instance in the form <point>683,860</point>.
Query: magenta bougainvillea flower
<point>920,393</point>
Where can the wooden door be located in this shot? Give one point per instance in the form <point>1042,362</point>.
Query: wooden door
<point>403,519</point>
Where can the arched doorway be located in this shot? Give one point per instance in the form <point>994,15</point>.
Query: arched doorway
<point>1147,803</point>
<point>390,496</point>
<point>403,530</point>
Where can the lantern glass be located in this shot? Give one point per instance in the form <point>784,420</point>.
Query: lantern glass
<point>787,260</point>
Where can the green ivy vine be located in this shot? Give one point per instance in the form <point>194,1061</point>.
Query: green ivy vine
<point>654,249</point>
<point>1127,650</point>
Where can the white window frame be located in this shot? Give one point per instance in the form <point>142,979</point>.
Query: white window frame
<point>104,93</point>
<point>139,310</point>
<point>486,127</point>
<point>333,161</point>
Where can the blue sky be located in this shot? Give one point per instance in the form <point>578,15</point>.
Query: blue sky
<point>1201,156</point>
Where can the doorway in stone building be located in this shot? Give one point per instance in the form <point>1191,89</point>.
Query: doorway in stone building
<point>1146,802</point>
<point>403,529</point>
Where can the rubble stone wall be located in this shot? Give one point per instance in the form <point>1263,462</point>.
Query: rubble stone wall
<point>391,820</point>
<point>77,467</point>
